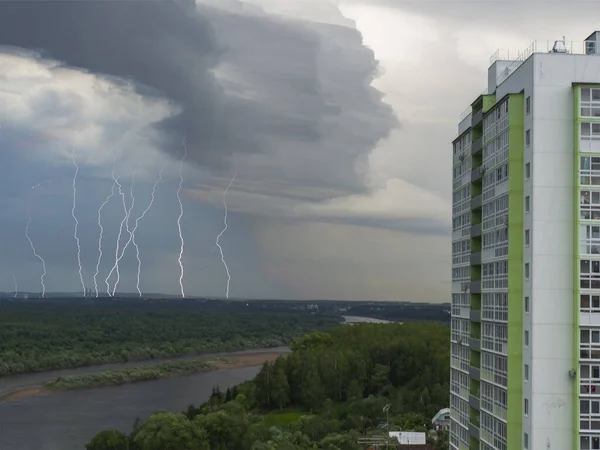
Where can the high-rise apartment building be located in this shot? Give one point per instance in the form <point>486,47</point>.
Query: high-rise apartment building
<point>525,356</point>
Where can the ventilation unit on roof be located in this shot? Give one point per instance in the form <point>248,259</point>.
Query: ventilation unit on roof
<point>559,47</point>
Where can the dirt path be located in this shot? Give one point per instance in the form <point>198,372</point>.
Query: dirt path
<point>238,361</point>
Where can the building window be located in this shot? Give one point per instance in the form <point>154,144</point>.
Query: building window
<point>528,137</point>
<point>526,441</point>
<point>590,303</point>
<point>526,372</point>
<point>590,102</point>
<point>590,131</point>
<point>528,171</point>
<point>527,237</point>
<point>527,105</point>
<point>527,204</point>
<point>526,406</point>
<point>589,443</point>
<point>526,304</point>
<point>527,270</point>
<point>589,274</point>
<point>526,338</point>
<point>589,205</point>
<point>589,170</point>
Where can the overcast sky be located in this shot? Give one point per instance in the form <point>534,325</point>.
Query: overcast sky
<point>337,117</point>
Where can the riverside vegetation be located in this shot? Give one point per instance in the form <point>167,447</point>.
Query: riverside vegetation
<point>121,376</point>
<point>323,396</point>
<point>42,336</point>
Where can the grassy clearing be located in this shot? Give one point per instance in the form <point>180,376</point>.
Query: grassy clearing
<point>282,418</point>
<point>122,376</point>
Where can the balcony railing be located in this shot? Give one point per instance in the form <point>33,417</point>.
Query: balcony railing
<point>474,373</point>
<point>476,201</point>
<point>473,431</point>
<point>474,402</point>
<point>477,145</point>
<point>475,315</point>
<point>476,230</point>
<point>477,118</point>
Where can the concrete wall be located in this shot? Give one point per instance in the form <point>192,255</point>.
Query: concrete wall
<point>548,79</point>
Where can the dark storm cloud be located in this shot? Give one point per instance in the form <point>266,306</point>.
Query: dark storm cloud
<point>248,83</point>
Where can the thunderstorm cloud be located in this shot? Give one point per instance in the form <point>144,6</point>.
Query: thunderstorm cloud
<point>286,98</point>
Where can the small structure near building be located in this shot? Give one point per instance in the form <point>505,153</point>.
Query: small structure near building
<point>441,421</point>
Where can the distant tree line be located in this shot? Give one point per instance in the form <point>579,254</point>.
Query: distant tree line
<point>327,393</point>
<point>41,337</point>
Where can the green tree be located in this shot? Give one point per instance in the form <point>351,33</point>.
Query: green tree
<point>312,389</point>
<point>443,440</point>
<point>355,391</point>
<point>168,431</point>
<point>281,388</point>
<point>109,440</point>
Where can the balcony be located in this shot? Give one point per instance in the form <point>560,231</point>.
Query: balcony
<point>477,118</point>
<point>474,373</point>
<point>475,315</point>
<point>476,259</point>
<point>474,402</point>
<point>476,174</point>
<point>477,145</point>
<point>475,287</point>
<point>476,202</point>
<point>473,431</point>
<point>475,344</point>
<point>475,230</point>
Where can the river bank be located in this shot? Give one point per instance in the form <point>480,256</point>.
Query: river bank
<point>27,385</point>
<point>69,419</point>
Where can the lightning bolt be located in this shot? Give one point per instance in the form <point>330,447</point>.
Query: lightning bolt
<point>116,182</point>
<point>31,242</point>
<point>223,232</point>
<point>180,259</point>
<point>111,195</point>
<point>124,222</point>
<point>137,221</point>
<point>76,229</point>
<point>16,286</point>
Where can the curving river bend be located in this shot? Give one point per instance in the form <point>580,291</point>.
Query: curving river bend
<point>68,420</point>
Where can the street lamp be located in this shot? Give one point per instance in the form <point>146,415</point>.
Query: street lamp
<point>386,410</point>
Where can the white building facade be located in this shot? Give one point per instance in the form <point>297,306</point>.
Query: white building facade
<point>525,350</point>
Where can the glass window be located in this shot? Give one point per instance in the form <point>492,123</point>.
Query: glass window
<point>527,237</point>
<point>528,137</point>
<point>527,105</point>
<point>527,202</point>
<point>526,304</point>
<point>528,170</point>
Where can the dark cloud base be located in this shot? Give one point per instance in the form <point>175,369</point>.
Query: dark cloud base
<point>299,91</point>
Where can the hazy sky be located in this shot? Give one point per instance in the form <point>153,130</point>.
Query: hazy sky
<point>337,116</point>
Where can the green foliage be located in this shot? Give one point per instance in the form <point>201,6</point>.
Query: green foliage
<point>109,440</point>
<point>42,337</point>
<point>281,418</point>
<point>122,376</point>
<point>329,392</point>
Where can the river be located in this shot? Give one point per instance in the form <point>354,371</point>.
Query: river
<point>68,420</point>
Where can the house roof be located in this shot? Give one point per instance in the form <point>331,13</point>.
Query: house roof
<point>409,437</point>
<point>440,413</point>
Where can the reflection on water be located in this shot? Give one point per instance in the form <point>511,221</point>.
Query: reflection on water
<point>68,420</point>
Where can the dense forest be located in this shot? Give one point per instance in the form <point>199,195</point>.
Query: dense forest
<point>326,395</point>
<point>40,337</point>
